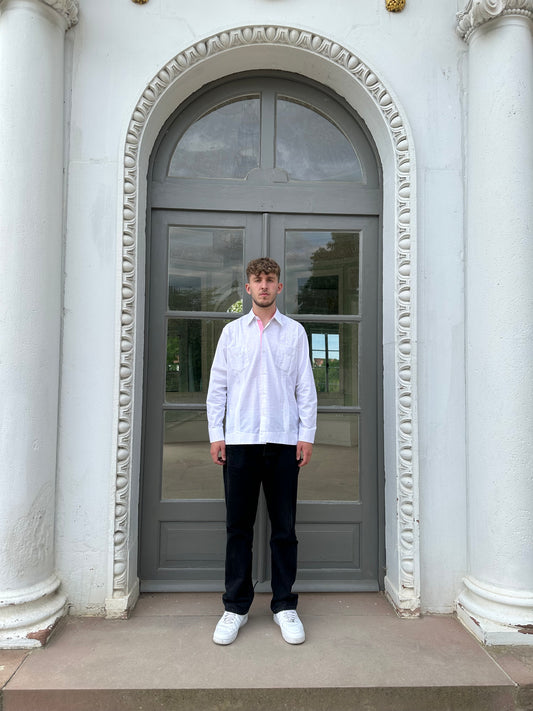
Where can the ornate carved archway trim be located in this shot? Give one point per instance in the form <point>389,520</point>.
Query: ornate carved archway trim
<point>406,584</point>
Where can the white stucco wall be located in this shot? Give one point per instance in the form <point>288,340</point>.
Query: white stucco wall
<point>112,53</point>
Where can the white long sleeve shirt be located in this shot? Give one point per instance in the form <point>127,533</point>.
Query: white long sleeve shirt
<point>261,380</point>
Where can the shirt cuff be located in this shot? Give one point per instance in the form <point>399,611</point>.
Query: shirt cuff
<point>306,435</point>
<point>216,434</point>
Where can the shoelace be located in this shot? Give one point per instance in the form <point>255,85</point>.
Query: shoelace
<point>228,618</point>
<point>290,616</point>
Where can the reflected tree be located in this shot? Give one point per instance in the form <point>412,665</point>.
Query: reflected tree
<point>331,289</point>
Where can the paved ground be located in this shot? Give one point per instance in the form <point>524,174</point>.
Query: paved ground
<point>358,655</point>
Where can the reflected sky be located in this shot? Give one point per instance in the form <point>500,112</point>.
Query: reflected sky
<point>226,143</point>
<point>310,147</point>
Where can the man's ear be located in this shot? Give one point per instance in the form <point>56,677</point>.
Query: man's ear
<point>247,287</point>
<point>280,287</point>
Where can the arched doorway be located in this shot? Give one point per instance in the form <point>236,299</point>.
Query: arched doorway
<point>263,165</point>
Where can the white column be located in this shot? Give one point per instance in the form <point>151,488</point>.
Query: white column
<point>32,36</point>
<point>497,600</point>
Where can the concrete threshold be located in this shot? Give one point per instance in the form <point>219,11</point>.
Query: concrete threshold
<point>358,655</point>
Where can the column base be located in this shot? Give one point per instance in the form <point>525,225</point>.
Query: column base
<point>496,616</point>
<point>28,617</point>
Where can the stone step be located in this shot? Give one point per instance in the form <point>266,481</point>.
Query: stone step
<point>451,698</point>
<point>358,655</point>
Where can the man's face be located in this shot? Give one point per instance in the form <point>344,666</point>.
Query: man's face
<point>264,289</point>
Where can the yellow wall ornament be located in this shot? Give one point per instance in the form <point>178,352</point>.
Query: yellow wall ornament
<point>395,5</point>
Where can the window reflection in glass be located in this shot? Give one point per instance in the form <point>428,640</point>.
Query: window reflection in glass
<point>224,143</point>
<point>205,268</point>
<point>333,473</point>
<point>191,346</point>
<point>310,146</point>
<point>326,360</point>
<point>322,272</point>
<point>188,472</point>
<point>334,350</point>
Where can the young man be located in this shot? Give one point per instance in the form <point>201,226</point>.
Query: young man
<point>262,382</point>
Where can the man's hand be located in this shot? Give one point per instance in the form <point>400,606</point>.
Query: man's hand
<point>218,452</point>
<point>304,450</point>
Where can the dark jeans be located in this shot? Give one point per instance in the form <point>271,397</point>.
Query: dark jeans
<point>247,467</point>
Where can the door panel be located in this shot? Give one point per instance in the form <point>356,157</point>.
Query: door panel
<point>331,287</point>
<point>196,287</point>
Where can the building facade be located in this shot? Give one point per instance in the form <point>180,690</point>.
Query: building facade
<point>385,159</point>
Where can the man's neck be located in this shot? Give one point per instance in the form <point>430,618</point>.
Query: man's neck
<point>264,314</point>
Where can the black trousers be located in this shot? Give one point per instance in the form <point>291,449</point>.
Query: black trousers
<point>247,467</point>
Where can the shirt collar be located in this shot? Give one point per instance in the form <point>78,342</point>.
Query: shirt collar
<point>278,316</point>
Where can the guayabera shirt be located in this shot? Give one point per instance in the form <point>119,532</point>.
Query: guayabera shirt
<point>262,382</point>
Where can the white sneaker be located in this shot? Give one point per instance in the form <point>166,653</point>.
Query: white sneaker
<point>228,627</point>
<point>291,626</point>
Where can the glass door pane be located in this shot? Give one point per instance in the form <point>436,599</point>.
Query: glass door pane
<point>196,286</point>
<point>188,472</point>
<point>191,344</point>
<point>224,143</point>
<point>334,350</point>
<point>205,268</point>
<point>333,474</point>
<point>322,272</point>
<point>309,146</point>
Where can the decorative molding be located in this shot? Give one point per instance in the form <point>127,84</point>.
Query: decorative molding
<point>478,12</point>
<point>404,317</point>
<point>68,8</point>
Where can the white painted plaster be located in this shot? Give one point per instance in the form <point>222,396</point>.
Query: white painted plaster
<point>441,399</point>
<point>86,424</point>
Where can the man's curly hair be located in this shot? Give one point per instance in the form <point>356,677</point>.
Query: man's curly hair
<point>263,265</point>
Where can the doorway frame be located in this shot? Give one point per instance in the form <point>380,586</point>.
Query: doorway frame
<point>323,61</point>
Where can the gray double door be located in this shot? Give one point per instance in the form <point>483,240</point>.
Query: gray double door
<point>262,166</point>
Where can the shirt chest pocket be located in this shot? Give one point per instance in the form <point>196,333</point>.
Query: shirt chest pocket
<point>285,358</point>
